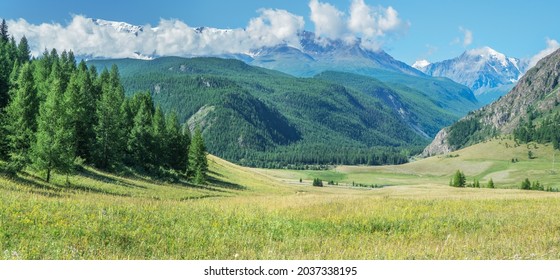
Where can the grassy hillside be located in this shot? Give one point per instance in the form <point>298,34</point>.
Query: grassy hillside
<point>249,213</point>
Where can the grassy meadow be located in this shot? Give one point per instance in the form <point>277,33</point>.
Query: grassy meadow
<point>246,213</point>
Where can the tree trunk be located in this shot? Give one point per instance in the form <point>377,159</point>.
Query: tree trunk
<point>48,175</point>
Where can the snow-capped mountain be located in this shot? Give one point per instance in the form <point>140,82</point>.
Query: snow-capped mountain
<point>483,70</point>
<point>316,55</point>
<point>119,26</point>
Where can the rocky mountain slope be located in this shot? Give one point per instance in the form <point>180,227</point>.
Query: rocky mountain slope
<point>537,92</point>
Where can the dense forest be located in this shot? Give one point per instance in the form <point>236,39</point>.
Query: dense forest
<point>57,114</point>
<point>263,118</point>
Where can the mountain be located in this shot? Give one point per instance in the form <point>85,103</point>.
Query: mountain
<point>488,73</point>
<point>119,26</point>
<point>317,55</point>
<point>261,117</point>
<point>529,111</point>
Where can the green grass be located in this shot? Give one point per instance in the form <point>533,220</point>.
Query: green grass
<point>268,214</point>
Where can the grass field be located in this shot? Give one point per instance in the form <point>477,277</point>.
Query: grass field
<point>268,214</point>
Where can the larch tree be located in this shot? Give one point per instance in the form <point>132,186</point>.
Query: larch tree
<point>53,149</point>
<point>21,114</point>
<point>109,129</point>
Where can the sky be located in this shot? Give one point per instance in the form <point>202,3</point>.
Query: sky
<point>409,30</point>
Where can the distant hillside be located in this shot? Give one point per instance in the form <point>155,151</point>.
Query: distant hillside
<point>260,117</point>
<point>529,111</point>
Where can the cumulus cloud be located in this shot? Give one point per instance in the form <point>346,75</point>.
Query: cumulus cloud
<point>170,37</point>
<point>368,23</point>
<point>551,46</point>
<point>329,21</point>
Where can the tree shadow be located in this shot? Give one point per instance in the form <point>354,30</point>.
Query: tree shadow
<point>224,184</point>
<point>98,176</point>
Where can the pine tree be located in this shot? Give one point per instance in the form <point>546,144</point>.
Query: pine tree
<point>160,140</point>
<point>491,184</point>
<point>53,150</point>
<point>4,36</point>
<point>459,179</point>
<point>198,165</point>
<point>21,115</point>
<point>140,141</point>
<point>81,109</point>
<point>24,54</point>
<point>177,143</point>
<point>109,130</point>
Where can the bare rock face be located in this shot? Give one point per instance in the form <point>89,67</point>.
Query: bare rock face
<point>439,146</point>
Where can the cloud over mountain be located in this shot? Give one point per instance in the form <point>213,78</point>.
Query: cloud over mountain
<point>98,38</point>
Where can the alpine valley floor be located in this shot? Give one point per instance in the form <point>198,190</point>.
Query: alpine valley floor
<point>247,213</point>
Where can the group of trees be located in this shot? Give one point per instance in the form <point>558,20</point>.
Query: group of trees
<point>460,180</point>
<point>547,130</point>
<point>55,113</point>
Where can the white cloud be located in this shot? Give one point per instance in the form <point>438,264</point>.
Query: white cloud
<point>174,37</point>
<point>329,21</point>
<point>551,46</point>
<point>368,23</point>
<point>467,36</point>
<point>169,37</point>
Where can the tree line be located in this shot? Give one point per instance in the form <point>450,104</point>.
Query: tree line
<point>55,114</point>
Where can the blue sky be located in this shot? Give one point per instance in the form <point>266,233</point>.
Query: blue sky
<point>430,29</point>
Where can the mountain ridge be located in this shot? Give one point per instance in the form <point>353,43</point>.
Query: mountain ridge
<point>536,93</point>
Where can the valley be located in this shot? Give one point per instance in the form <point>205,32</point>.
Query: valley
<point>248,213</point>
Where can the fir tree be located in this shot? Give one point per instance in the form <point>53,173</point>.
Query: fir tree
<point>160,141</point>
<point>81,110</point>
<point>177,143</point>
<point>198,165</point>
<point>459,179</point>
<point>23,54</point>
<point>21,115</point>
<point>140,141</point>
<point>491,184</point>
<point>53,149</point>
<point>109,130</point>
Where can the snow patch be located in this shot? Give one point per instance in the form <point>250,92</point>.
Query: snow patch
<point>421,64</point>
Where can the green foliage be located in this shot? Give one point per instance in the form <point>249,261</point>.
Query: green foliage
<point>459,180</point>
<point>491,184</point>
<point>110,129</point>
<point>526,184</point>
<point>54,150</point>
<point>198,164</point>
<point>264,118</point>
<point>317,182</point>
<point>20,119</point>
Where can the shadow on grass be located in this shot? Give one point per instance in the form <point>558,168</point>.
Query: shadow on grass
<point>224,184</point>
<point>39,183</point>
<point>98,176</point>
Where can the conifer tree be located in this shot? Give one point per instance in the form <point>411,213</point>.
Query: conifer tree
<point>198,165</point>
<point>21,114</point>
<point>177,143</point>
<point>24,54</point>
<point>140,141</point>
<point>491,184</point>
<point>109,130</point>
<point>4,36</point>
<point>81,109</point>
<point>160,141</point>
<point>53,149</point>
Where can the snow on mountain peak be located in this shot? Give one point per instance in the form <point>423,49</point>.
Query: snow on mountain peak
<point>119,26</point>
<point>487,53</point>
<point>421,64</point>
